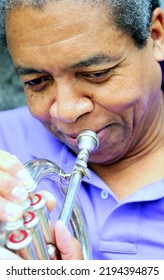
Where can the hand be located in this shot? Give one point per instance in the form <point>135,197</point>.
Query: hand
<point>69,247</point>
<point>5,254</point>
<point>13,178</point>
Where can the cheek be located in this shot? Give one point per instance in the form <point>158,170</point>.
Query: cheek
<point>39,105</point>
<point>124,91</point>
<point>117,97</point>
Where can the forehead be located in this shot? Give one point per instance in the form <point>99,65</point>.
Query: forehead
<point>59,16</point>
<point>61,27</point>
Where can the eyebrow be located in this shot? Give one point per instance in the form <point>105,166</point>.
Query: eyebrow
<point>20,70</point>
<point>94,60</point>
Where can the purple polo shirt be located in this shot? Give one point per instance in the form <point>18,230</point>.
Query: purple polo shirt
<point>131,229</point>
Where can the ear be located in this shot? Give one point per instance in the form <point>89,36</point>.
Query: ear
<point>157,34</point>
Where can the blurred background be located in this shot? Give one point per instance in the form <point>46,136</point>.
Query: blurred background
<point>11,89</point>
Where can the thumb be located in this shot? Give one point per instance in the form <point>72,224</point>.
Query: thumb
<point>68,245</point>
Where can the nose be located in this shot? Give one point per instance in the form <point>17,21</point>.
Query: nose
<point>70,103</point>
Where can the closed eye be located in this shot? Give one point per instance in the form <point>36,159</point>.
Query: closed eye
<point>97,77</point>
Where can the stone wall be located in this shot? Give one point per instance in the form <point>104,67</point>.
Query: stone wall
<point>11,89</point>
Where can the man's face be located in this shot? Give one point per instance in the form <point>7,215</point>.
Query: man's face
<point>80,72</point>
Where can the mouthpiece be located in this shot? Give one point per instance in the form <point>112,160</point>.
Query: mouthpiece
<point>88,139</point>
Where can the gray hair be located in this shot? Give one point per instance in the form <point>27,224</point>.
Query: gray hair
<point>133,17</point>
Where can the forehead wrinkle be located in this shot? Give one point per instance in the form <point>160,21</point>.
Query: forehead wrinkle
<point>46,22</point>
<point>54,41</point>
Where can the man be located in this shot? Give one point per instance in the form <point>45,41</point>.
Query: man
<point>91,65</point>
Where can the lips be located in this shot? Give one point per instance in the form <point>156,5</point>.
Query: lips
<point>72,138</point>
<point>75,135</point>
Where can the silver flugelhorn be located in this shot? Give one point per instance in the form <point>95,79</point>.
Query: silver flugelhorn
<point>31,237</point>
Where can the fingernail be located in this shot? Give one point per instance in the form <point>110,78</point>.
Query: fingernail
<point>19,193</point>
<point>25,177</point>
<point>62,227</point>
<point>12,211</point>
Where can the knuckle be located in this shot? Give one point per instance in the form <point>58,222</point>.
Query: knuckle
<point>9,211</point>
<point>11,189</point>
<point>9,162</point>
<point>6,181</point>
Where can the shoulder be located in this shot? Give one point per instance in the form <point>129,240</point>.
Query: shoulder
<point>14,122</point>
<point>13,130</point>
<point>14,113</point>
<point>24,136</point>
<point>14,117</point>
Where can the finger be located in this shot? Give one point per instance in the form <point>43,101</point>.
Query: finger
<point>50,200</point>
<point>8,255</point>
<point>69,247</point>
<point>9,163</point>
<point>25,178</point>
<point>13,176</point>
<point>9,211</point>
<point>10,188</point>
